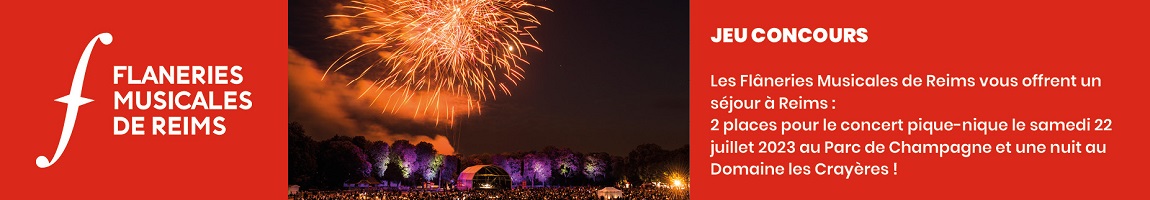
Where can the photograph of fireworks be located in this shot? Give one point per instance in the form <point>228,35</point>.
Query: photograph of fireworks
<point>482,99</point>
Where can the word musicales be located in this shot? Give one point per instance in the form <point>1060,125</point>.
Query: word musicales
<point>790,35</point>
<point>178,99</point>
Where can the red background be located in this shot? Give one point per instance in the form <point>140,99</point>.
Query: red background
<point>969,38</point>
<point>44,41</point>
<point>979,38</point>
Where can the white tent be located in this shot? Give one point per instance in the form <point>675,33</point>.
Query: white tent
<point>609,193</point>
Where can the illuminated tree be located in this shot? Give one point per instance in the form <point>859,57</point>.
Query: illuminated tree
<point>425,155</point>
<point>595,166</point>
<point>450,169</point>
<point>377,154</point>
<point>433,166</point>
<point>408,159</point>
<point>511,164</point>
<point>538,166</point>
<point>567,165</point>
<point>403,154</point>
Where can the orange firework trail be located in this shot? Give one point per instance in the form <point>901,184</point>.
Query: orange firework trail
<point>456,50</point>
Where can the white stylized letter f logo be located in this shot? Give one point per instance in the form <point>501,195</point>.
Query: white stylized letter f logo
<point>74,100</point>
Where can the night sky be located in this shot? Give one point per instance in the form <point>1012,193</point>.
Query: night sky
<point>612,75</point>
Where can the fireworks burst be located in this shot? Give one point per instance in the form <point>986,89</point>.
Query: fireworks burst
<point>460,52</point>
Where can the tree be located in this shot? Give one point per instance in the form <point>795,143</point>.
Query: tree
<point>450,170</point>
<point>403,153</point>
<point>433,167</point>
<point>511,164</point>
<point>566,165</point>
<point>477,159</point>
<point>425,154</point>
<point>343,162</point>
<point>378,154</point>
<point>393,173</point>
<point>617,173</point>
<point>360,142</point>
<point>538,166</point>
<point>595,166</point>
<point>677,163</point>
<point>302,165</point>
<point>647,163</point>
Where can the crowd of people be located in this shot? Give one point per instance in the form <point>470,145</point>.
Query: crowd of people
<point>588,193</point>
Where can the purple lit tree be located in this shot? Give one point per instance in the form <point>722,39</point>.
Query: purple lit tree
<point>433,166</point>
<point>377,154</point>
<point>538,166</point>
<point>425,155</point>
<point>595,166</point>
<point>403,153</point>
<point>449,171</point>
<point>511,164</point>
<point>407,160</point>
<point>567,165</point>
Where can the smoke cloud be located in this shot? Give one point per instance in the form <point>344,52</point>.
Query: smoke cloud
<point>330,106</point>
